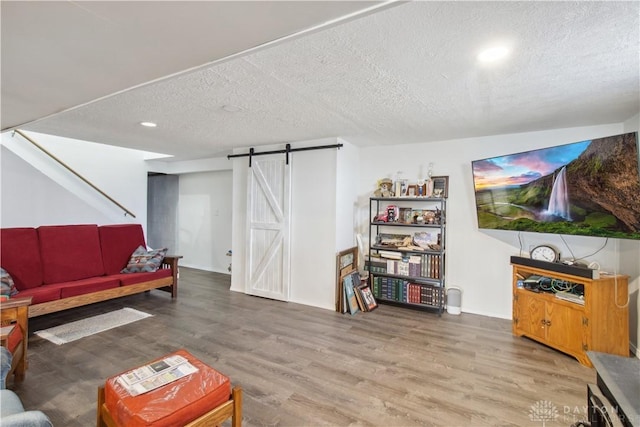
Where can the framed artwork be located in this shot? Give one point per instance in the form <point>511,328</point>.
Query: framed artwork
<point>405,215</point>
<point>346,263</point>
<point>347,258</point>
<point>369,299</point>
<point>440,186</point>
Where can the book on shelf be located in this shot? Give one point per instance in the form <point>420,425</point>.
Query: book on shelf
<point>154,375</point>
<point>408,266</point>
<point>390,254</point>
<point>430,266</point>
<point>400,290</point>
<point>415,262</point>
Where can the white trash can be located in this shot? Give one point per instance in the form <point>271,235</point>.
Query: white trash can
<point>454,300</point>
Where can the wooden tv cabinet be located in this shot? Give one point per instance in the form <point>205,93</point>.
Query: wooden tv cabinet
<point>601,324</point>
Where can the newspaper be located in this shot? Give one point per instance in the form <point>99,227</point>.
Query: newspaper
<point>154,375</point>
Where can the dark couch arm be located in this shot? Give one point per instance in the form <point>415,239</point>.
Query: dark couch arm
<point>171,261</point>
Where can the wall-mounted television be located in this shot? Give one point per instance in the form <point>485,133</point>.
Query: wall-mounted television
<point>588,188</point>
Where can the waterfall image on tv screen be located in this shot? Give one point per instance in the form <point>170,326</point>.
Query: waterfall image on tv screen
<point>589,188</point>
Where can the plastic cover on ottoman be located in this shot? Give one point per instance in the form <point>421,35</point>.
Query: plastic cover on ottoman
<point>177,403</point>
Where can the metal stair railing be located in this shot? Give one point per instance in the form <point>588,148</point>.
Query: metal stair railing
<point>86,181</point>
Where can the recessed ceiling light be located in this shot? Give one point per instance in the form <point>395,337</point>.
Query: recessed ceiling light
<point>493,54</point>
<point>148,124</point>
<point>231,108</point>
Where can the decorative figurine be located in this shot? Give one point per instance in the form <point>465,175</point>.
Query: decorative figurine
<point>384,188</point>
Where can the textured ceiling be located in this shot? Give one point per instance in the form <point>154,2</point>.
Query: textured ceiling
<point>404,74</point>
<point>60,54</point>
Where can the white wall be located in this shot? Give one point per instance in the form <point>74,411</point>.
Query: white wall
<point>478,260</point>
<point>313,225</point>
<point>31,198</point>
<point>204,220</point>
<point>347,175</point>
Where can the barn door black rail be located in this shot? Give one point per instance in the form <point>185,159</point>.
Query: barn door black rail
<point>286,151</point>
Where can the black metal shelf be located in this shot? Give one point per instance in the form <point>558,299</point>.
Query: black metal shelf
<point>414,203</point>
<point>408,199</point>
<point>420,280</point>
<point>412,305</point>
<point>407,251</point>
<point>404,224</point>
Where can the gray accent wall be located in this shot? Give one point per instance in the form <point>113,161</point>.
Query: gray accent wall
<point>162,212</point>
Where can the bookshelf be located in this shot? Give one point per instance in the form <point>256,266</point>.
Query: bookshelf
<point>407,251</point>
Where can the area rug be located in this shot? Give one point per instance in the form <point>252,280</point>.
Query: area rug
<point>92,325</point>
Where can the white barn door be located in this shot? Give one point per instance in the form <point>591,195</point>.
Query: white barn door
<point>268,227</point>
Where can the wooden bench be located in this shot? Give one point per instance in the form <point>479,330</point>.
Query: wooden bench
<point>168,284</point>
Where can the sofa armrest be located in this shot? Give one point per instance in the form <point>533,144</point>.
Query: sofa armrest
<point>171,261</point>
<point>15,302</point>
<point>15,312</point>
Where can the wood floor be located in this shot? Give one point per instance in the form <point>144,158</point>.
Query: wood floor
<point>303,366</point>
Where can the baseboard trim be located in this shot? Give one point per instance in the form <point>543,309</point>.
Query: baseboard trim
<point>199,267</point>
<point>634,350</point>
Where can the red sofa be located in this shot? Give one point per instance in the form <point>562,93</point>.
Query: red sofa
<point>66,266</point>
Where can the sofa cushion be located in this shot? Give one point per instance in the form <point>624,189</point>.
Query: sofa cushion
<point>70,252</point>
<point>85,286</point>
<point>144,261</point>
<point>127,279</point>
<point>42,294</point>
<point>21,256</point>
<point>118,243</point>
<point>7,285</point>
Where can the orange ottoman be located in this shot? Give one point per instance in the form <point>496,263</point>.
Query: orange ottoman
<point>173,404</point>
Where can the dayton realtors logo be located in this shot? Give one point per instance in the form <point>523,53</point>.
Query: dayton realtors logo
<point>543,411</point>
